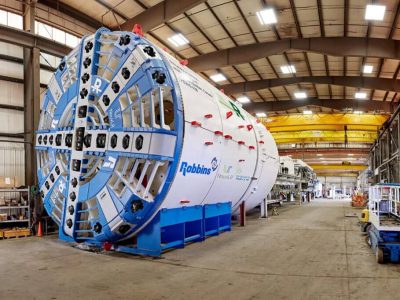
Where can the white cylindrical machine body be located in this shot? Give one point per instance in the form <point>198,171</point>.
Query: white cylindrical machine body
<point>219,135</point>
<point>126,130</point>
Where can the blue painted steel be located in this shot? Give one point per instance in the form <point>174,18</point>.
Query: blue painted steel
<point>217,218</point>
<point>174,228</point>
<point>145,83</point>
<point>388,241</point>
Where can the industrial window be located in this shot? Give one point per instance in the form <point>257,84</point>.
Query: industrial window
<point>59,35</point>
<point>44,30</point>
<point>49,60</point>
<point>55,34</point>
<point>10,19</point>
<point>71,40</point>
<point>14,20</point>
<point>3,17</point>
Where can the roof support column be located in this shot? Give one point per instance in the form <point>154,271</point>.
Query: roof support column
<point>31,95</point>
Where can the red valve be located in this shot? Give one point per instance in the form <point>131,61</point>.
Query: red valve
<point>249,127</point>
<point>184,62</point>
<point>229,114</point>
<point>208,143</point>
<point>185,201</point>
<point>228,137</point>
<point>261,142</point>
<point>252,147</point>
<point>209,116</point>
<point>137,28</point>
<point>195,123</point>
<point>241,126</point>
<point>218,132</point>
<point>241,142</point>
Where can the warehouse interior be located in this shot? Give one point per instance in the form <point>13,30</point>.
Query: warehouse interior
<point>159,149</point>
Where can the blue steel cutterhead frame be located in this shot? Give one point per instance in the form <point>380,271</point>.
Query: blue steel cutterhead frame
<point>100,117</point>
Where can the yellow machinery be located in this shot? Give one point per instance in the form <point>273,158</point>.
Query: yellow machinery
<point>364,220</point>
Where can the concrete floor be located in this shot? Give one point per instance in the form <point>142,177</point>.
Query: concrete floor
<point>307,252</point>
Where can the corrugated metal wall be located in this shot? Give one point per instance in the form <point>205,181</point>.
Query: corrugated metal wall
<point>12,158</point>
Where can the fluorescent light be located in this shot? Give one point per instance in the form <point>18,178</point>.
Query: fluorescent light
<point>357,112</point>
<point>375,12</point>
<point>307,112</point>
<point>290,69</point>
<point>350,154</point>
<point>300,95</point>
<point>261,115</point>
<point>319,154</point>
<point>243,99</point>
<point>267,16</point>
<point>178,40</point>
<point>368,69</point>
<point>360,95</point>
<point>217,77</point>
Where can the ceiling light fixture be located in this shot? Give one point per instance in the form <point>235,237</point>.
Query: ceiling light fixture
<point>360,95</point>
<point>243,99</point>
<point>357,112</point>
<point>261,115</point>
<point>300,95</point>
<point>375,12</point>
<point>217,77</point>
<point>368,69</point>
<point>178,40</point>
<point>289,69</point>
<point>267,16</point>
<point>307,112</point>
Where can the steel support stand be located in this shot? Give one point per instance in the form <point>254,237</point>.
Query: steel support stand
<point>264,209</point>
<point>242,214</point>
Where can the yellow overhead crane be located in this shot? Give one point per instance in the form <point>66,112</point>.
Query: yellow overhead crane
<point>308,136</point>
<point>333,168</point>
<point>341,174</point>
<point>324,127</point>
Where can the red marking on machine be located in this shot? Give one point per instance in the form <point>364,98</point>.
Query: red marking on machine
<point>195,123</point>
<point>249,127</point>
<point>137,29</point>
<point>241,142</point>
<point>208,116</point>
<point>184,62</point>
<point>228,137</point>
<point>229,114</point>
<point>217,132</point>
<point>208,143</point>
<point>107,246</point>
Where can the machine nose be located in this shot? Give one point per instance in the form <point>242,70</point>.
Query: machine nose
<point>107,137</point>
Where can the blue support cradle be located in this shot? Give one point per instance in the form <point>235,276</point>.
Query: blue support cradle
<point>175,227</point>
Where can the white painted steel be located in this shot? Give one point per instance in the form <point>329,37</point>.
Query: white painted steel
<point>245,155</point>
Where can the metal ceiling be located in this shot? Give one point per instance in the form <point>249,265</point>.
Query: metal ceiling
<point>322,38</point>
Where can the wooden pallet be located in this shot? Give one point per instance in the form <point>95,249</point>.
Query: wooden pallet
<point>14,233</point>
